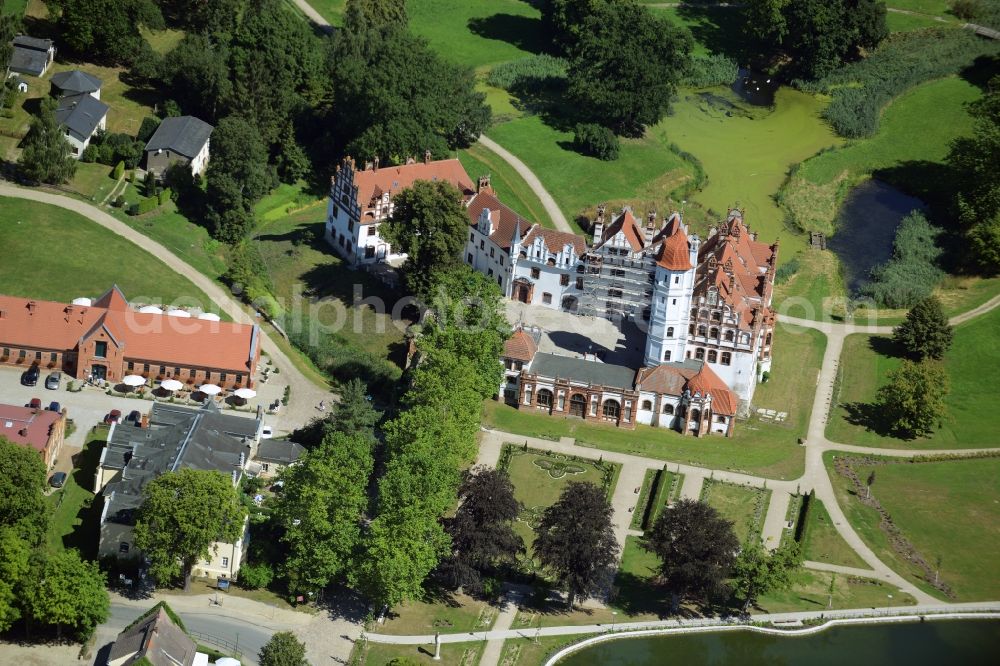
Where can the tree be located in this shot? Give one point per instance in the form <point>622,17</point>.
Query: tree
<point>375,15</point>
<point>625,66</point>
<point>765,19</point>
<point>429,224</point>
<point>597,141</point>
<point>984,243</point>
<point>197,75</point>
<point>575,539</point>
<point>913,400</point>
<point>925,333</point>
<point>237,176</point>
<point>354,413</point>
<point>69,593</point>
<point>45,155</point>
<point>10,26</point>
<point>756,572</point>
<point>321,509</point>
<point>563,20</point>
<point>15,563</point>
<point>284,649</point>
<point>482,536</point>
<point>182,514</point>
<point>22,505</point>
<point>822,34</point>
<point>696,548</point>
<point>868,484</point>
<point>107,30</point>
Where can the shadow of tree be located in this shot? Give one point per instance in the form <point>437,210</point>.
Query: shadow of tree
<point>719,29</point>
<point>524,32</point>
<point>981,71</point>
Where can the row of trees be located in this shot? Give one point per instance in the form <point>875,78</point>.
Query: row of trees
<point>41,587</point>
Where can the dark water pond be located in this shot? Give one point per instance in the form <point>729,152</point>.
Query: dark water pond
<point>755,87</point>
<point>866,227</point>
<point>945,643</point>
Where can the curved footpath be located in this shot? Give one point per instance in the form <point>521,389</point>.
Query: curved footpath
<point>305,394</point>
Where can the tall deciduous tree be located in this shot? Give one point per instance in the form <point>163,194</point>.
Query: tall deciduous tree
<point>237,176</point>
<point>429,224</point>
<point>196,74</point>
<point>482,534</point>
<point>696,547</point>
<point>822,34</point>
<point>107,30</point>
<point>375,15</point>
<point>765,20</point>
<point>756,572</point>
<point>22,505</point>
<point>575,539</point>
<point>925,333</point>
<point>322,507</point>
<point>15,563</point>
<point>563,20</point>
<point>10,25</point>
<point>625,66</point>
<point>68,593</point>
<point>182,514</point>
<point>45,151</point>
<point>283,649</point>
<point>912,403</point>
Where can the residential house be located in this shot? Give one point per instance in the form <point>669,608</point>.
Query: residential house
<point>107,338</point>
<point>75,82</point>
<point>180,140</point>
<point>360,200</point>
<point>31,55</point>
<point>81,116</point>
<point>154,640</point>
<point>170,438</point>
<point>38,429</point>
<point>274,455</point>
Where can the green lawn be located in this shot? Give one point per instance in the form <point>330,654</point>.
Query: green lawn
<point>822,542</point>
<point>455,614</point>
<point>92,181</point>
<point>15,7</point>
<point>972,416</point>
<point>634,592</point>
<point>931,7</point>
<point>511,189</point>
<point>75,519</point>
<point>810,591</point>
<point>452,654</point>
<point>529,652</point>
<point>645,169</point>
<point>907,22</point>
<point>539,479</point>
<point>947,509</point>
<point>65,256</point>
<point>744,507</point>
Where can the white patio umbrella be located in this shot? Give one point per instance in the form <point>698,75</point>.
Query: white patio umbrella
<point>133,380</point>
<point>171,385</point>
<point>210,316</point>
<point>150,309</point>
<point>244,393</point>
<point>210,389</point>
<point>178,313</point>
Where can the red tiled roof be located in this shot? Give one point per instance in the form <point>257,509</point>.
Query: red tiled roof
<point>372,183</point>
<point>627,224</point>
<point>674,253</point>
<point>504,219</point>
<point>28,427</point>
<point>724,401</point>
<point>667,378</point>
<point>673,378</point>
<point>520,347</point>
<point>556,240</point>
<point>160,338</point>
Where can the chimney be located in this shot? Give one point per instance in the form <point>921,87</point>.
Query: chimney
<point>427,157</point>
<point>3,314</point>
<point>484,184</point>
<point>375,168</point>
<point>368,166</point>
<point>31,306</point>
<point>144,421</point>
<point>651,219</point>
<point>23,432</point>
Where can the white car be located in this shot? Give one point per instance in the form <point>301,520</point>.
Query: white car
<point>267,432</point>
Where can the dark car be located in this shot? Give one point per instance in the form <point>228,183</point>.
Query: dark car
<point>52,381</point>
<point>58,479</point>
<point>114,416</point>
<point>135,416</point>
<point>30,376</point>
<point>55,407</point>
<point>36,403</point>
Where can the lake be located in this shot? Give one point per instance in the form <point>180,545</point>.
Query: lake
<point>958,642</point>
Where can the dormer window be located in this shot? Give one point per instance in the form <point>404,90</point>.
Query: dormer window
<point>713,296</point>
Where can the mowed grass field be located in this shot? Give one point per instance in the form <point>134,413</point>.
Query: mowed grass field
<point>738,505</point>
<point>511,189</point>
<point>55,254</point>
<point>948,509</point>
<point>823,543</point>
<point>972,420</point>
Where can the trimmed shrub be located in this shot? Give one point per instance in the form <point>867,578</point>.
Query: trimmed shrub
<point>254,576</point>
<point>119,170</point>
<point>912,272</point>
<point>710,70</point>
<point>597,141</point>
<point>90,154</point>
<point>165,195</point>
<point>535,72</point>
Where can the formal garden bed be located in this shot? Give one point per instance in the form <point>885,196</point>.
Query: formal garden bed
<point>744,506</point>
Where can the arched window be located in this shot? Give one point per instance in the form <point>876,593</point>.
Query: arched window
<point>696,415</point>
<point>577,404</point>
<point>714,333</point>
<point>702,330</point>
<point>716,316</point>
<point>713,356</point>
<point>666,355</point>
<point>720,419</point>
<point>767,340</point>
<point>727,358</point>
<point>670,331</point>
<point>544,398</point>
<point>668,409</point>
<point>611,409</point>
<point>699,354</point>
<point>729,336</point>
<point>703,314</point>
<point>647,404</point>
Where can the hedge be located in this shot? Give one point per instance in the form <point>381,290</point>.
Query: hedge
<point>803,521</point>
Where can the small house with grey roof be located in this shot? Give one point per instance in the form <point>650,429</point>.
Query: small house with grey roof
<point>154,640</point>
<point>31,55</point>
<point>75,82</point>
<point>168,439</point>
<point>182,140</point>
<point>80,117</point>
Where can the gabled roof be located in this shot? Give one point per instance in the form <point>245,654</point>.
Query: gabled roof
<point>520,347</point>
<point>694,376</point>
<point>555,241</point>
<point>505,220</point>
<point>580,370</point>
<point>625,223</point>
<point>724,401</point>
<point>76,81</point>
<point>81,113</point>
<point>373,183</point>
<point>185,135</point>
<point>156,638</point>
<point>280,451</point>
<point>35,43</point>
<point>25,426</point>
<point>674,253</point>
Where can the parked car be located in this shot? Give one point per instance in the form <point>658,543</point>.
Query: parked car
<point>36,403</point>
<point>55,407</point>
<point>266,432</point>
<point>58,479</point>
<point>30,376</point>
<point>135,416</point>
<point>53,380</point>
<point>114,416</point>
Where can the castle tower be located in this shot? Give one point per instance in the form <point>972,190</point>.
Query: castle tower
<point>676,260</point>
